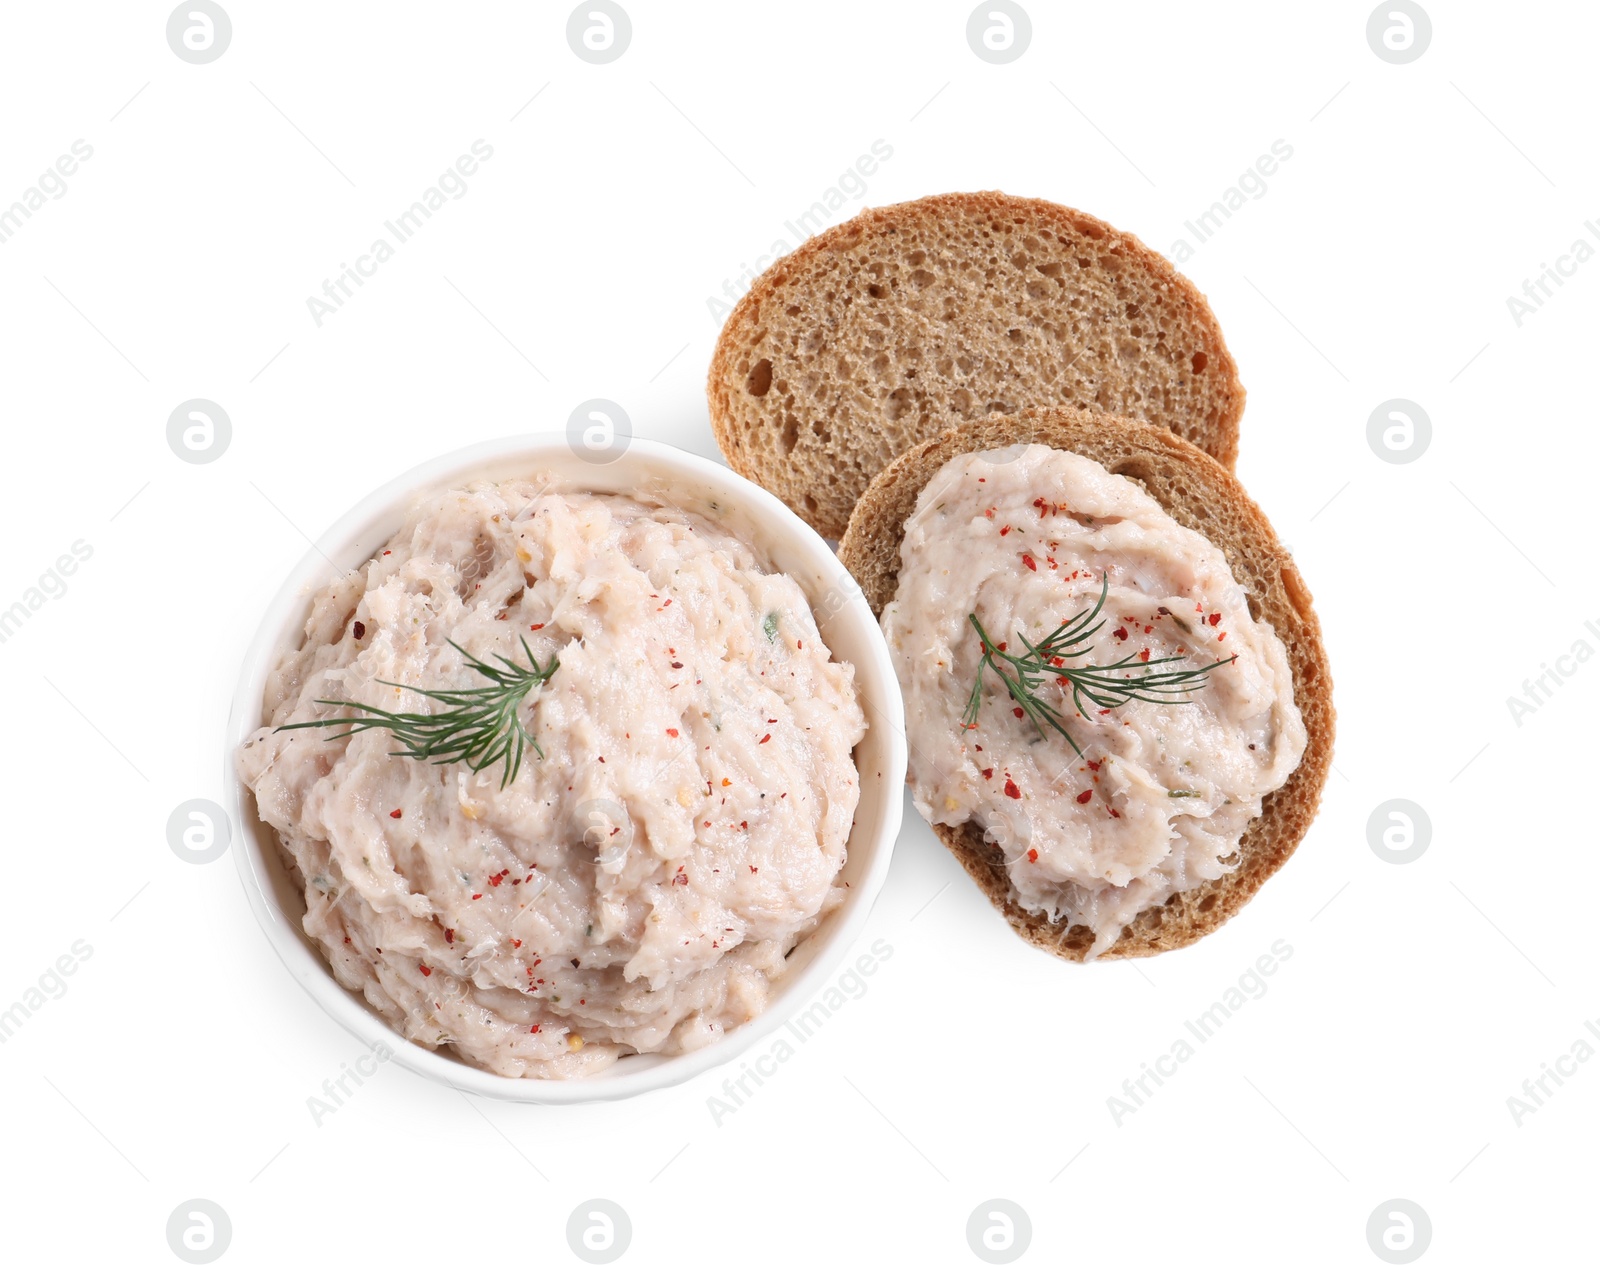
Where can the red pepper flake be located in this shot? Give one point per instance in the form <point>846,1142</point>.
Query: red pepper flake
<point>1121,634</point>
<point>1147,628</point>
<point>672,733</point>
<point>426,970</point>
<point>988,513</point>
<point>495,880</point>
<point>765,738</point>
<point>1011,788</point>
<point>1214,618</point>
<point>449,936</point>
<point>535,627</point>
<point>1033,854</point>
<point>1005,531</point>
<point>744,825</point>
<point>755,869</point>
<point>535,1028</point>
<point>387,552</point>
<point>1085,797</point>
<point>989,774</point>
<point>1093,764</point>
<point>1144,655</point>
<point>677,665</point>
<point>395,814</point>
<point>1221,636</point>
<point>1017,712</point>
<point>1105,711</point>
<point>1027,561</point>
<point>477,895</point>
<point>1115,813</point>
<point>666,604</point>
<point>680,880</point>
<point>359,629</point>
<point>516,944</point>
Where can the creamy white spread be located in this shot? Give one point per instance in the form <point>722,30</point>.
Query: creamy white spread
<point>636,889</point>
<point>1025,537</point>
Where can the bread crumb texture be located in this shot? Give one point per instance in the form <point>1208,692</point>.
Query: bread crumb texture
<point>909,319</point>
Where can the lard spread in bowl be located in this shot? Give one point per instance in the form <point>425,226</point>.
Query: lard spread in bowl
<point>675,817</point>
<point>1137,801</point>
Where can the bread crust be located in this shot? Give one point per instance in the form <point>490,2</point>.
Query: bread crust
<point>1198,493</point>
<point>1046,305</point>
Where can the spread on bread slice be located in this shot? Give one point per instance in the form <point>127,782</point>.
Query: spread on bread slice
<point>1118,706</point>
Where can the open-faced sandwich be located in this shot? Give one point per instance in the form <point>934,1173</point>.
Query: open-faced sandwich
<point>1118,707</point>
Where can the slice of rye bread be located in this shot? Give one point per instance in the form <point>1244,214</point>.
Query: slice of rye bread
<point>1198,493</point>
<point>888,329</point>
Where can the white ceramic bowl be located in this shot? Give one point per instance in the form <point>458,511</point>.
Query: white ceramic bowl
<point>784,543</point>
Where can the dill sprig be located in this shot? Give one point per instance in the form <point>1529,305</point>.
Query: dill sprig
<point>1105,685</point>
<point>479,726</point>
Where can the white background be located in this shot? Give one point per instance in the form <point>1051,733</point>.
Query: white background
<point>579,264</point>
